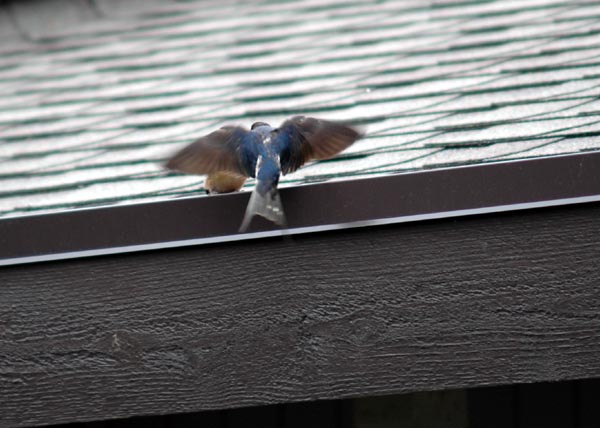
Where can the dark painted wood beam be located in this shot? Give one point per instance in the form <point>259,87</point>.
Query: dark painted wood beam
<point>400,198</point>
<point>472,301</point>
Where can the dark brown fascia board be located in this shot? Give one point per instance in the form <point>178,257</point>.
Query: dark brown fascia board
<point>408,197</point>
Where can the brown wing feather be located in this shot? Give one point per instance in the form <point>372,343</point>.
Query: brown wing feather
<point>217,151</point>
<point>309,138</point>
<point>331,138</point>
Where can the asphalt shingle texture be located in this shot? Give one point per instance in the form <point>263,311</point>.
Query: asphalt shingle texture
<point>90,110</point>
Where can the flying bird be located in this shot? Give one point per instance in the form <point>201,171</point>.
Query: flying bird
<point>231,154</point>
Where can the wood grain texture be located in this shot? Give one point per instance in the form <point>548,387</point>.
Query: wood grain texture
<point>433,305</point>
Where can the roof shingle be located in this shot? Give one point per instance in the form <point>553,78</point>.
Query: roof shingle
<point>88,112</point>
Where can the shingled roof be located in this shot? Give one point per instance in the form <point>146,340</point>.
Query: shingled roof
<point>454,247</point>
<point>89,108</point>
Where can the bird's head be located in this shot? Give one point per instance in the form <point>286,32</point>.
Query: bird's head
<point>261,128</point>
<point>258,125</point>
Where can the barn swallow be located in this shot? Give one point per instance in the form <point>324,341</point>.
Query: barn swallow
<point>232,153</point>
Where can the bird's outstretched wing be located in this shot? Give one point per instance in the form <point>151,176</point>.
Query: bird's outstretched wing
<point>302,138</point>
<point>231,148</point>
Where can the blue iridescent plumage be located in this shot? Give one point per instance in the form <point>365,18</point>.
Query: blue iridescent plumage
<point>264,153</point>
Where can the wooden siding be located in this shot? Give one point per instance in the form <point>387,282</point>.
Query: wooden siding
<point>442,304</point>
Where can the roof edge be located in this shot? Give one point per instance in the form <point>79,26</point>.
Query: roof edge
<point>399,198</point>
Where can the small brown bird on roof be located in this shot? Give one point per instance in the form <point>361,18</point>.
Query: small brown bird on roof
<point>231,154</point>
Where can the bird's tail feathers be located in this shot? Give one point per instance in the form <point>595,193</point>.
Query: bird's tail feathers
<point>268,206</point>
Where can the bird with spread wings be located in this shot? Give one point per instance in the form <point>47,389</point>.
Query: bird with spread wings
<point>232,153</point>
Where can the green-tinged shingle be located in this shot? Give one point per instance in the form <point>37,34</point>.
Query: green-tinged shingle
<point>92,101</point>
